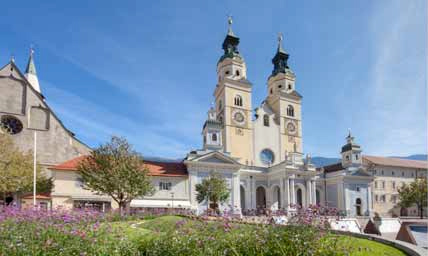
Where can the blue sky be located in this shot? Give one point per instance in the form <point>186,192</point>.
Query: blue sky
<point>147,70</point>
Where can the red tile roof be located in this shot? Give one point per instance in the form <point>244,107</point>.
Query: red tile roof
<point>166,168</point>
<point>70,165</point>
<point>171,169</point>
<point>399,162</point>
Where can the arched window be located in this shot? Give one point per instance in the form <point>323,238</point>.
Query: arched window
<point>289,86</point>
<point>266,120</point>
<point>237,73</point>
<point>271,91</point>
<point>290,110</point>
<point>214,137</point>
<point>238,100</point>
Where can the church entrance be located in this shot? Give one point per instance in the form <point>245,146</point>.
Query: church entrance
<point>242,192</point>
<point>276,204</point>
<point>261,198</point>
<point>358,207</point>
<point>299,197</point>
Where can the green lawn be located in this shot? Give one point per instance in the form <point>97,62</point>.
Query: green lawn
<point>145,230</point>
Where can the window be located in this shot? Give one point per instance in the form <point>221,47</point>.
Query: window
<point>11,124</point>
<point>347,158</point>
<point>375,184</point>
<point>392,173</point>
<point>238,100</point>
<point>214,137</point>
<point>165,185</point>
<point>402,174</point>
<point>266,156</point>
<point>237,73</point>
<point>266,120</point>
<point>358,189</point>
<point>376,198</point>
<point>356,157</point>
<point>383,184</point>
<point>227,72</point>
<point>382,172</point>
<point>374,172</point>
<point>394,199</point>
<point>280,86</point>
<point>413,175</point>
<point>290,110</point>
<point>271,91</point>
<point>289,87</point>
<point>383,198</point>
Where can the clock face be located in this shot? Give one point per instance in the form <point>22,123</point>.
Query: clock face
<point>291,128</point>
<point>239,117</point>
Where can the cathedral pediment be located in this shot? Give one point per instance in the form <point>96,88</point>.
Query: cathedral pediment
<point>215,157</point>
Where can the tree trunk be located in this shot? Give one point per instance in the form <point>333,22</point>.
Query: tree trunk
<point>421,212</point>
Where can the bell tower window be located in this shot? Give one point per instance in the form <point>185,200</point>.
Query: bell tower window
<point>238,100</point>
<point>266,120</point>
<point>289,87</point>
<point>290,110</point>
<point>214,137</point>
<point>237,73</point>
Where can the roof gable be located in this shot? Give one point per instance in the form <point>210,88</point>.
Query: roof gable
<point>215,157</point>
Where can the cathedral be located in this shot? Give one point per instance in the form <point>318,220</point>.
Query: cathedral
<point>257,149</point>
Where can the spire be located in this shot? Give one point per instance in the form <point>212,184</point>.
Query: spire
<point>280,38</point>
<point>229,29</point>
<point>30,72</point>
<point>31,68</point>
<point>230,43</point>
<point>280,59</point>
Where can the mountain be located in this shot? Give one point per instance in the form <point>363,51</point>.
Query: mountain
<point>319,161</point>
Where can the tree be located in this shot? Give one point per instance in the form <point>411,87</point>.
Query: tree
<point>17,170</point>
<point>115,169</point>
<point>213,189</point>
<point>414,193</point>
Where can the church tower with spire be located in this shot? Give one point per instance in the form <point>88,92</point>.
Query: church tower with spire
<point>285,101</point>
<point>233,100</point>
<point>30,72</point>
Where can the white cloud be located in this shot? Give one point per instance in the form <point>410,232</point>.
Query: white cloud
<point>394,122</point>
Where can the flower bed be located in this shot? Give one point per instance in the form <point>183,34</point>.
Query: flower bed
<point>61,232</point>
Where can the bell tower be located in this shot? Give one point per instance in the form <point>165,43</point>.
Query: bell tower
<point>233,100</point>
<point>285,102</point>
<point>351,152</point>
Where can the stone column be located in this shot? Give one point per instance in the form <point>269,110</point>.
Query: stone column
<point>236,202</point>
<point>281,193</point>
<point>314,192</point>
<point>369,200</point>
<point>308,193</point>
<point>293,194</point>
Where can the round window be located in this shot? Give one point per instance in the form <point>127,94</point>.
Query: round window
<point>267,156</point>
<point>11,124</point>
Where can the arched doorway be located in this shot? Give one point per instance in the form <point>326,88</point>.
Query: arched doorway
<point>261,197</point>
<point>358,207</point>
<point>242,192</point>
<point>404,212</point>
<point>299,197</point>
<point>318,197</point>
<point>276,203</point>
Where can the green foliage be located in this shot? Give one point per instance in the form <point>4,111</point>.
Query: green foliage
<point>115,169</point>
<point>414,194</point>
<point>214,189</point>
<point>17,170</point>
